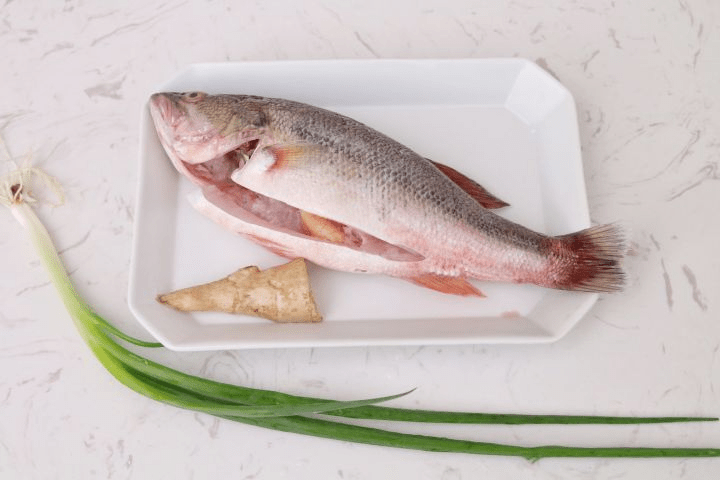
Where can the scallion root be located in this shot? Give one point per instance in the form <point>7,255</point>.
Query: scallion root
<point>15,187</point>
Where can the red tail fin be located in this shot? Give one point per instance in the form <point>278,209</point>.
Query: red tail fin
<point>588,260</point>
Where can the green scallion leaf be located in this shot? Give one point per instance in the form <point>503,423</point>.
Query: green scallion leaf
<point>280,411</point>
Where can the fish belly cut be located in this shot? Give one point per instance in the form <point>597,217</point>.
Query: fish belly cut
<point>291,245</point>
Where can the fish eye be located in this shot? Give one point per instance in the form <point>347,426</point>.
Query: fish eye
<point>193,96</point>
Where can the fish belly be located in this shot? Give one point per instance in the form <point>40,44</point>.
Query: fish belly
<point>329,255</point>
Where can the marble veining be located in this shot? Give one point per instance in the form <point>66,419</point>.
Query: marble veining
<point>645,79</point>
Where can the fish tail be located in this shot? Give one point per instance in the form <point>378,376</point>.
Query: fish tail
<point>589,260</point>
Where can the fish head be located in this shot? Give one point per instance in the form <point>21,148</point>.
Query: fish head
<point>196,128</point>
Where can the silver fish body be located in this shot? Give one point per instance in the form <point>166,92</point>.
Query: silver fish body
<point>307,182</point>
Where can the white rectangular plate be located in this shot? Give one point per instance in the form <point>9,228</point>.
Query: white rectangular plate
<point>503,122</point>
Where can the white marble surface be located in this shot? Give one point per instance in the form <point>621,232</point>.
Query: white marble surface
<point>645,76</point>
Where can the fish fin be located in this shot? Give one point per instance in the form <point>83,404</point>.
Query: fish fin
<point>445,284</point>
<point>588,260</point>
<point>331,231</point>
<point>273,157</point>
<point>289,156</point>
<point>471,187</point>
<point>323,228</point>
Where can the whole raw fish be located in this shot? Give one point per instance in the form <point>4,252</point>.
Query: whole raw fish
<point>307,182</point>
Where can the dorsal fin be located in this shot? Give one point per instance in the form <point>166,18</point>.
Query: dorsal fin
<point>474,189</point>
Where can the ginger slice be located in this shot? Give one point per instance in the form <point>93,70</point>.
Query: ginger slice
<point>281,294</point>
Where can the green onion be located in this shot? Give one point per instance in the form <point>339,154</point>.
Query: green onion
<point>280,411</point>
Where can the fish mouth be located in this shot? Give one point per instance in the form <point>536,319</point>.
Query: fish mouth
<point>167,113</point>
<point>215,179</point>
<point>164,107</point>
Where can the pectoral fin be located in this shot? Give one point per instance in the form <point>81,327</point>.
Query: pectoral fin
<point>323,228</point>
<point>290,156</point>
<point>444,284</point>
<point>273,158</point>
<point>474,189</point>
<point>331,231</point>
